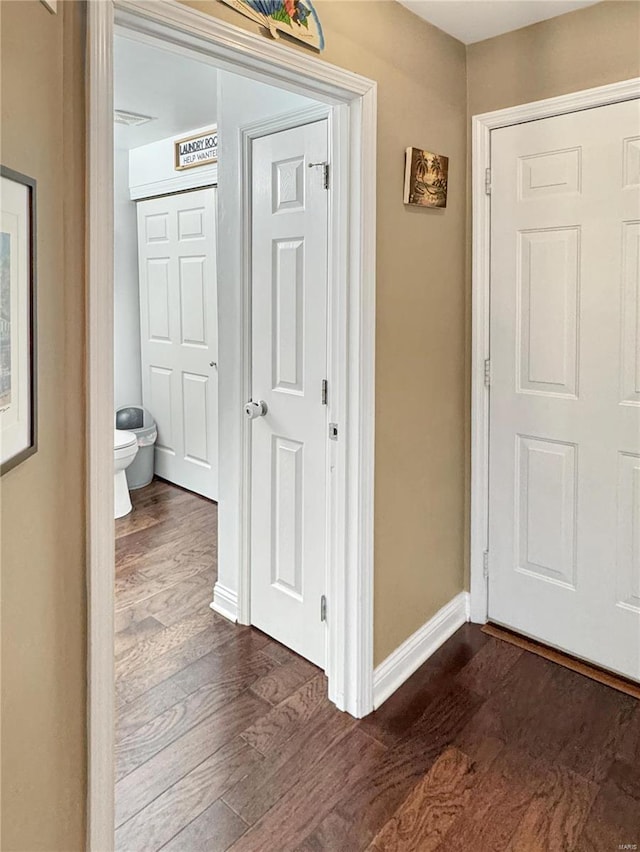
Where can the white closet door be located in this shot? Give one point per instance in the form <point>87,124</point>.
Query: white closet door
<point>289,345</point>
<point>564,550</point>
<point>179,329</point>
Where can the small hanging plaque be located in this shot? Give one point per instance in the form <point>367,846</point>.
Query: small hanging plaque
<point>198,150</point>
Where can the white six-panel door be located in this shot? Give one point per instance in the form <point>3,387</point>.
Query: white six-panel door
<point>564,483</point>
<point>289,354</point>
<point>179,334</point>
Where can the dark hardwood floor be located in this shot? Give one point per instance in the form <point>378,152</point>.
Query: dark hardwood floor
<point>225,739</point>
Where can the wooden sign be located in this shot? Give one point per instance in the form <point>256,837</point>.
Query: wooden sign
<point>198,150</point>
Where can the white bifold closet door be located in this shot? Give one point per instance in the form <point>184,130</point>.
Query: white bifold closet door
<point>564,494</point>
<point>179,334</point>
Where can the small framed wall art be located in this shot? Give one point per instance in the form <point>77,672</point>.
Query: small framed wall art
<point>425,178</point>
<point>18,362</point>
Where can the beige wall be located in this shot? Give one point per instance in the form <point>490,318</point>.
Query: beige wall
<point>587,48</point>
<point>42,540</point>
<point>590,47</point>
<point>419,522</point>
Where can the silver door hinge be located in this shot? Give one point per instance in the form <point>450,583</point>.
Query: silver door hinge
<point>325,171</point>
<point>323,608</point>
<point>325,391</point>
<point>487,181</point>
<point>487,372</point>
<point>333,431</point>
<point>485,564</point>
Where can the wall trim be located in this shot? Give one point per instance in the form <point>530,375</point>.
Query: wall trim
<point>482,125</point>
<point>414,651</point>
<point>353,100</point>
<point>100,408</point>
<point>180,183</point>
<point>225,602</point>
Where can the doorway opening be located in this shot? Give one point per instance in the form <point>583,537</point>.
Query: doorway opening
<point>337,109</point>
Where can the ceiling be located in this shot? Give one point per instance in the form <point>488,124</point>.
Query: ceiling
<point>179,92</point>
<point>475,20</point>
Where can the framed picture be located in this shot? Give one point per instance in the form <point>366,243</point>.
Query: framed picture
<point>425,178</point>
<point>18,363</point>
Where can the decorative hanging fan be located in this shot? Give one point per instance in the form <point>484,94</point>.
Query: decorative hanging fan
<point>296,18</point>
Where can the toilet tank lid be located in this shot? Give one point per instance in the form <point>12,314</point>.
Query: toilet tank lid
<point>123,439</point>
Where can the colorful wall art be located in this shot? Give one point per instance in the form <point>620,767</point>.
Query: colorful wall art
<point>296,18</point>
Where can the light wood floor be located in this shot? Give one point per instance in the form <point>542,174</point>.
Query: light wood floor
<point>225,739</point>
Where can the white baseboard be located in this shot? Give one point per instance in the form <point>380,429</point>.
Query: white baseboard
<point>225,602</point>
<point>414,651</point>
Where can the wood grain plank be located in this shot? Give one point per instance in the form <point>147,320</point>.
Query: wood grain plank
<point>367,806</point>
<point>213,831</point>
<point>135,632</point>
<point>507,713</point>
<point>556,814</point>
<point>270,732</point>
<point>166,727</point>
<point>295,816</point>
<point>599,675</point>
<point>181,530</point>
<point>174,809</point>
<point>486,670</point>
<point>144,583</point>
<point>184,753</point>
<point>600,718</point>
<point>628,749</point>
<point>428,812</point>
<point>391,722</point>
<point>252,797</point>
<point>171,604</point>
<point>176,661</point>
<point>148,649</point>
<point>146,707</point>
<point>613,821</point>
<point>284,679</point>
<point>497,804</point>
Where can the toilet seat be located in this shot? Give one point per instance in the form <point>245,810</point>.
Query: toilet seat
<point>123,439</point>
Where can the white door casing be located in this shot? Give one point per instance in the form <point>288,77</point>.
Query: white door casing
<point>289,365</point>
<point>179,334</point>
<point>353,100</point>
<point>564,471</point>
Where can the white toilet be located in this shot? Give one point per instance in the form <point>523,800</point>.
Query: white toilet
<point>125,448</point>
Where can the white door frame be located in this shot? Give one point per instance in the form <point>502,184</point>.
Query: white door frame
<point>482,125</point>
<point>352,104</point>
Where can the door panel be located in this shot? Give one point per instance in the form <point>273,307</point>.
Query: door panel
<point>289,331</point>
<point>179,333</point>
<point>564,510</point>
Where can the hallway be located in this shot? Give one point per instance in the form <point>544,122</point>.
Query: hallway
<point>225,739</point>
